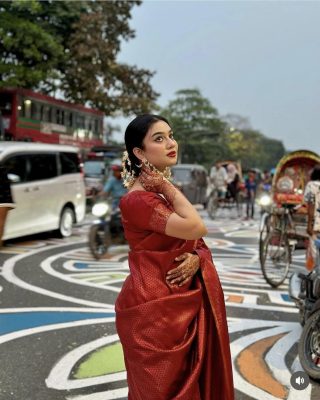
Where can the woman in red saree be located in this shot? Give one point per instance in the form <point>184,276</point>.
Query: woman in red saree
<point>170,313</point>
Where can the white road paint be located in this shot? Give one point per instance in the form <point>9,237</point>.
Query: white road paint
<point>47,268</point>
<point>59,377</point>
<point>9,275</point>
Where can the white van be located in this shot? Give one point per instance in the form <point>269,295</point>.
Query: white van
<point>47,187</point>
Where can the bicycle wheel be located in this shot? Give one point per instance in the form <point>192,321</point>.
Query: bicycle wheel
<point>212,206</point>
<point>275,257</point>
<point>264,231</point>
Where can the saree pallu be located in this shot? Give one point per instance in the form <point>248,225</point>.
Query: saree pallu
<point>175,339</point>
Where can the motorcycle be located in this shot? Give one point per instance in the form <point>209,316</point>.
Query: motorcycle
<point>106,230</point>
<point>305,292</point>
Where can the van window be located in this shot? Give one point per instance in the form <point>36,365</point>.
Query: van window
<point>181,174</point>
<point>69,163</point>
<point>17,165</point>
<point>42,166</point>
<point>93,168</point>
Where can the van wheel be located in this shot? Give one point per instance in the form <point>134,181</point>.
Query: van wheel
<point>66,222</point>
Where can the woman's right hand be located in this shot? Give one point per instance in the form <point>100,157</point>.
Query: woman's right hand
<point>152,181</point>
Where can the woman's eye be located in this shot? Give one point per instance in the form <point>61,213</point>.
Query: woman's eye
<point>159,139</point>
<point>171,136</point>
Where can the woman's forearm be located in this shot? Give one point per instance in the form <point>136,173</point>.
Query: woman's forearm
<point>183,207</point>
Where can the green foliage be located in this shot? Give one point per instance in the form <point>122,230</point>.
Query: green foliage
<point>196,125</point>
<point>72,46</point>
<point>28,53</point>
<point>205,138</point>
<point>253,149</point>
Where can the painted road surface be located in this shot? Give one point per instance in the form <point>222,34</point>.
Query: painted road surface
<point>57,332</point>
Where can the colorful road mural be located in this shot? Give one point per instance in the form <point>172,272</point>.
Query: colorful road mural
<point>57,332</point>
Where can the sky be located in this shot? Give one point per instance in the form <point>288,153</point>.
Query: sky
<point>257,59</point>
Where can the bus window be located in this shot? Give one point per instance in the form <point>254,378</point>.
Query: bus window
<point>89,127</point>
<point>80,122</point>
<point>66,118</point>
<point>26,108</point>
<point>35,110</point>
<point>60,116</point>
<point>6,103</point>
<point>96,127</point>
<point>45,113</point>
<point>53,115</point>
<point>71,119</point>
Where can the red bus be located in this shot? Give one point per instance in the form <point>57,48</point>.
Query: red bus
<point>34,117</point>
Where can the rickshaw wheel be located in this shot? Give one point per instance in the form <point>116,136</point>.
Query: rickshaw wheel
<point>263,236</point>
<point>275,257</point>
<point>212,206</point>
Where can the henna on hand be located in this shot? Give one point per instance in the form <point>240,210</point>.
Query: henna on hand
<point>153,181</point>
<point>185,271</point>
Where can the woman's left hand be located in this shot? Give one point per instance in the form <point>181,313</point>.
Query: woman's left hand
<point>185,271</point>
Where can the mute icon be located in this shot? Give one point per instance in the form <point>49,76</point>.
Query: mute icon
<point>299,380</point>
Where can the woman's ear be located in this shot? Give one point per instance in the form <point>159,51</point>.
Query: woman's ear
<point>138,153</point>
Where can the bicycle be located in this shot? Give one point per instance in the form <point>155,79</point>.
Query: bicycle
<point>277,243</point>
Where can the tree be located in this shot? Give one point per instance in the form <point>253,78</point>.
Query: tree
<point>29,54</point>
<point>236,121</point>
<point>73,47</point>
<point>197,127</point>
<point>253,149</point>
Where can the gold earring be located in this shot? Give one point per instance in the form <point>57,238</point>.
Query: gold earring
<point>167,173</point>
<point>127,176</point>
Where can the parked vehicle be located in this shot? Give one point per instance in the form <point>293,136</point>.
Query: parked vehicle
<point>106,230</point>
<point>192,180</point>
<point>94,177</point>
<point>47,187</point>
<point>305,291</point>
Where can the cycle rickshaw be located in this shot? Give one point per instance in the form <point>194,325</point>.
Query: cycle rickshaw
<point>228,199</point>
<point>284,226</point>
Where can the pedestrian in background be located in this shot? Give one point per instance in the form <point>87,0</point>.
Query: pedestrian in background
<point>170,313</point>
<point>312,199</point>
<point>114,185</point>
<point>219,177</point>
<point>251,189</point>
<point>6,202</point>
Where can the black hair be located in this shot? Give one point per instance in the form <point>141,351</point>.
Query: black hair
<point>315,174</point>
<point>134,135</point>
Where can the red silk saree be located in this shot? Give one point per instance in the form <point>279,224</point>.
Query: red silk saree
<point>175,340</point>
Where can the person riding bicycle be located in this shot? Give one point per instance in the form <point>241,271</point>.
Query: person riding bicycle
<point>312,199</point>
<point>114,185</point>
<point>219,177</point>
<point>233,180</point>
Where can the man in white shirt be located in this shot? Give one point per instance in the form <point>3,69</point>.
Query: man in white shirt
<point>219,178</point>
<point>312,199</point>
